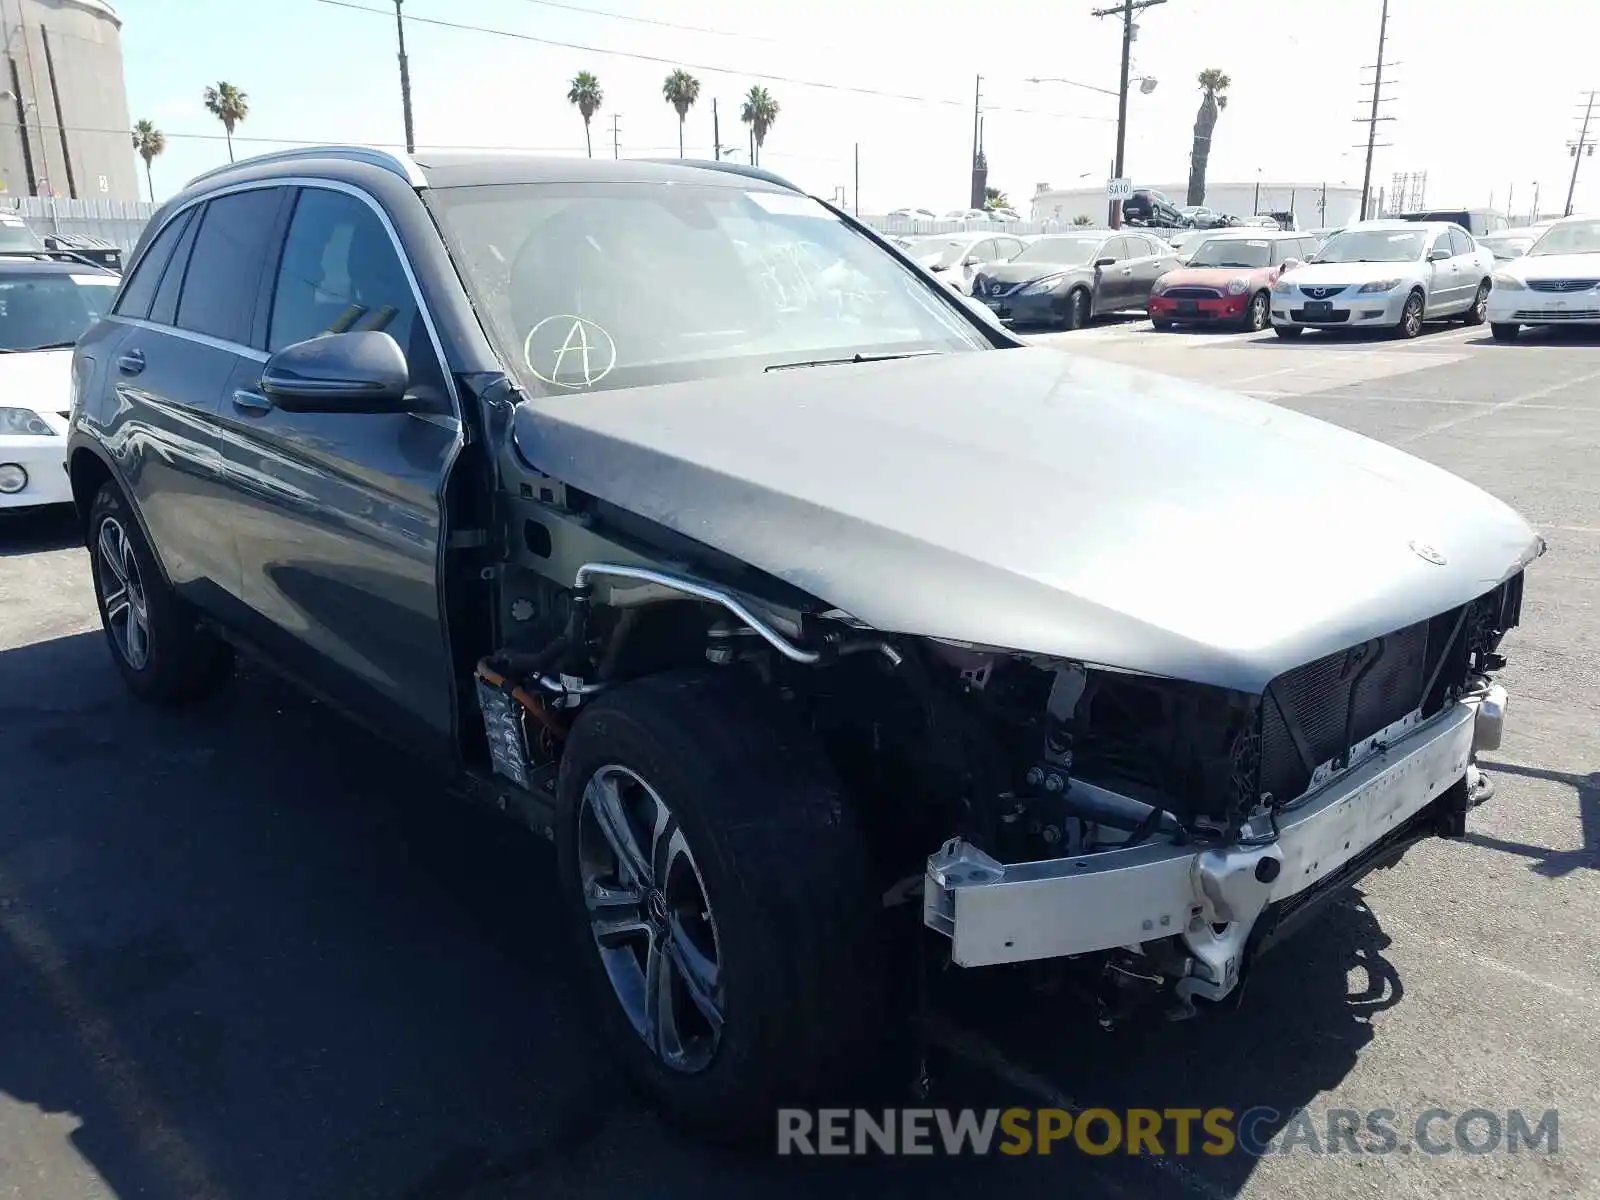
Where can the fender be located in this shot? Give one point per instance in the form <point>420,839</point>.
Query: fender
<point>79,445</point>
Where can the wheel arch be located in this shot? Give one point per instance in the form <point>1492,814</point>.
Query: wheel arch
<point>90,468</point>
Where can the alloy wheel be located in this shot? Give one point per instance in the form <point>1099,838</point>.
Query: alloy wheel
<point>1411,317</point>
<point>122,593</point>
<point>650,918</point>
<point>1257,320</point>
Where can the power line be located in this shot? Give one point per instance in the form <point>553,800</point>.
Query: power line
<point>616,16</point>
<point>793,80</point>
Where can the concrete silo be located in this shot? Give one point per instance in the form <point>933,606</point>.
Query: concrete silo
<point>64,124</point>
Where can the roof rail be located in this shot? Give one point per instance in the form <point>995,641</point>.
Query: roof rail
<point>730,168</point>
<point>400,164</point>
<point>65,256</point>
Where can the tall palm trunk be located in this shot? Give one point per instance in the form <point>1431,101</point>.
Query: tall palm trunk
<point>587,145</point>
<point>149,182</point>
<point>680,135</point>
<point>1205,124</point>
<point>228,133</point>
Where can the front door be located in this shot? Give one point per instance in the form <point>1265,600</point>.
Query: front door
<point>1114,282</point>
<point>1444,287</point>
<point>340,556</point>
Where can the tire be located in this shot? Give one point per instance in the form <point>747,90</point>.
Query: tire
<point>1479,312</point>
<point>1288,332</point>
<point>1160,325</point>
<point>1259,314</point>
<point>792,937</point>
<point>1504,331</point>
<point>161,652</point>
<point>1077,315</point>
<point>1411,315</point>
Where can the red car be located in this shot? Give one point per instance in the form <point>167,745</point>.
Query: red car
<point>1228,279</point>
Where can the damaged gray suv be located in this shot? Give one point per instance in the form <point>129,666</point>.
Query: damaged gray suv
<point>810,614</point>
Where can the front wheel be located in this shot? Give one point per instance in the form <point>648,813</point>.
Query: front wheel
<point>1504,331</point>
<point>1410,325</point>
<point>1288,332</point>
<point>721,900</point>
<point>1258,314</point>
<point>161,652</point>
<point>1077,315</point>
<point>1480,306</point>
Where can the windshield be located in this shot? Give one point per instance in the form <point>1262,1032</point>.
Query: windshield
<point>1578,237</point>
<point>587,287</point>
<point>53,309</point>
<point>1062,251</point>
<point>1233,252</point>
<point>1373,245</point>
<point>943,252</point>
<point>18,237</point>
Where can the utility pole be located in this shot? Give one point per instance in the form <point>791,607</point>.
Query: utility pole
<point>855,206</point>
<point>1534,216</point>
<point>405,79</point>
<point>1125,10</point>
<point>1372,118</point>
<point>1577,149</point>
<point>616,136</point>
<point>716,131</point>
<point>980,169</point>
<point>1510,192</point>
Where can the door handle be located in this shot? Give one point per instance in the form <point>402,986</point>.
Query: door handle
<point>1127,270</point>
<point>131,363</point>
<point>253,403</point>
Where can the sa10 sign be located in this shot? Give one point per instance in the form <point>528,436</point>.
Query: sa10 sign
<point>1119,189</point>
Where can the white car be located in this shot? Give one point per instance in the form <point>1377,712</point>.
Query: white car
<point>1390,275</point>
<point>1557,282</point>
<point>956,257</point>
<point>45,305</point>
<point>1513,243</point>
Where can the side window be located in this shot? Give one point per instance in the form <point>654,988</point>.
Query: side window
<point>146,278</point>
<point>1007,248</point>
<point>164,311</point>
<point>1115,249</point>
<point>230,252</point>
<point>983,251</point>
<point>1441,242</point>
<point>1460,242</point>
<point>341,273</point>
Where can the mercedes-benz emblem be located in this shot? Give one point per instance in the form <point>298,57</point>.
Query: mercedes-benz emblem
<point>1428,553</point>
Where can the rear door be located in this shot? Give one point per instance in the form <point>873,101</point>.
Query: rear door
<point>1150,261</point>
<point>184,338</point>
<point>340,554</point>
<point>1469,272</point>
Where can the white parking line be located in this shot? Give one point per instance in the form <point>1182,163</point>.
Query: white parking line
<point>1515,401</point>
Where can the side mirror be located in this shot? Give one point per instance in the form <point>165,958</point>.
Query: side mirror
<point>1290,264</point>
<point>1105,262</point>
<point>1438,254</point>
<point>971,260</point>
<point>363,372</point>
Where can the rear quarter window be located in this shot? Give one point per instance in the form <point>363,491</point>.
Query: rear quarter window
<point>140,290</point>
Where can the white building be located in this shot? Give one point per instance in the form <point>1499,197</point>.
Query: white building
<point>1314,204</point>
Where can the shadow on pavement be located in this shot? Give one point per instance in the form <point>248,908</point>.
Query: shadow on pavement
<point>255,955</point>
<point>1548,862</point>
<point>33,530</point>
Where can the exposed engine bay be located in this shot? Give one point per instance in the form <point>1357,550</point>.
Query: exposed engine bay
<point>1007,758</point>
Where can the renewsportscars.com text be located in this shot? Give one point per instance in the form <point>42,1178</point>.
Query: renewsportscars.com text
<point>1217,1132</point>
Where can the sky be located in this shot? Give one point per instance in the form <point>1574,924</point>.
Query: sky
<point>1484,100</point>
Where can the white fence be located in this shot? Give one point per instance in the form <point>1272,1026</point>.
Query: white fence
<point>903,227</point>
<point>116,221</point>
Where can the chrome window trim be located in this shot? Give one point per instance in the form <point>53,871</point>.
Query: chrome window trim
<point>331,185</point>
<point>189,335</point>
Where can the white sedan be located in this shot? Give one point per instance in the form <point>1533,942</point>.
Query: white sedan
<point>45,306</point>
<point>1557,282</point>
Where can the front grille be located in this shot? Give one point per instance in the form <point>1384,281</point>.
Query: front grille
<point>1562,285</point>
<point>1563,314</point>
<point>1192,293</point>
<point>1322,293</point>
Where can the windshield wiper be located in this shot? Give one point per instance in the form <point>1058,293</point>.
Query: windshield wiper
<point>46,346</point>
<point>854,358</point>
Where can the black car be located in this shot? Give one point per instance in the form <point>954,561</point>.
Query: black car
<point>1067,279</point>
<point>1149,207</point>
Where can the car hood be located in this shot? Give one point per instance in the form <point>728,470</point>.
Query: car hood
<point>1323,274</point>
<point>1555,266</point>
<point>1027,272</point>
<point>1217,277</point>
<point>1045,502</point>
<point>36,379</point>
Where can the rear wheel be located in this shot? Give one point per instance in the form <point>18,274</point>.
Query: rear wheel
<point>1289,332</point>
<point>1077,314</point>
<point>721,899</point>
<point>1160,323</point>
<point>1504,331</point>
<point>1480,306</point>
<point>1258,314</point>
<point>161,652</point>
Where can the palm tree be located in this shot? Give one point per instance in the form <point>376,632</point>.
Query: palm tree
<point>760,112</point>
<point>230,106</point>
<point>1213,99</point>
<point>681,90</point>
<point>149,142</point>
<point>1082,219</point>
<point>994,198</point>
<point>586,94</point>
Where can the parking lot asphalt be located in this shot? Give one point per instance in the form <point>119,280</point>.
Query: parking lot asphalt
<point>246,952</point>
